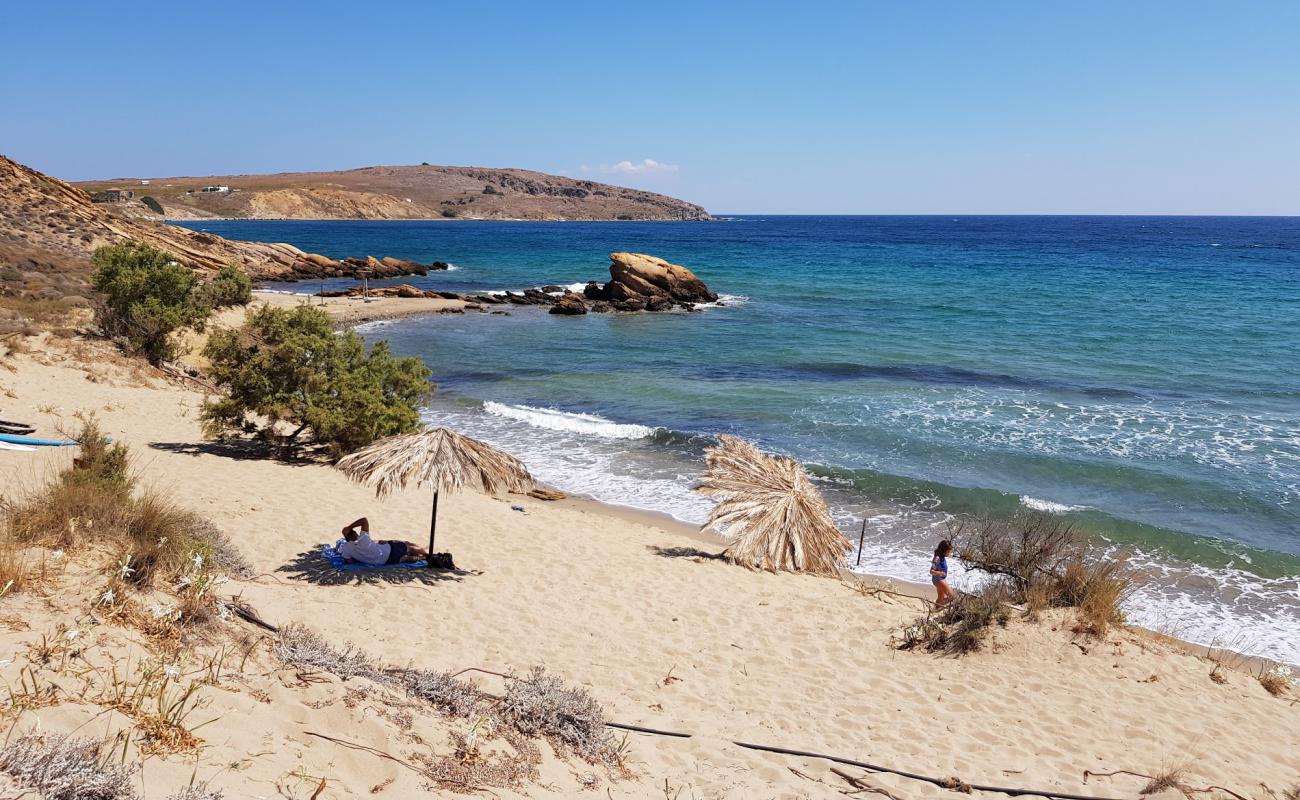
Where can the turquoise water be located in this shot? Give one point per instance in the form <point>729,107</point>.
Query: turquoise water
<point>1139,375</point>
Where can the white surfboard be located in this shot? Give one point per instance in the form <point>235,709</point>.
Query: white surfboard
<point>23,447</point>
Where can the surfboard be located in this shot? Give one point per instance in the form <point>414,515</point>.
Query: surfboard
<point>23,447</point>
<point>12,439</point>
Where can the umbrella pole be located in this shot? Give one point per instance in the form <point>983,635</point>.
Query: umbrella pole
<point>433,525</point>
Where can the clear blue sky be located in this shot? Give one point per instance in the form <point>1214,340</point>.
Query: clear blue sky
<point>856,107</point>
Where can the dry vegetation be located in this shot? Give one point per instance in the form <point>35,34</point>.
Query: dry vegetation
<point>1032,561</point>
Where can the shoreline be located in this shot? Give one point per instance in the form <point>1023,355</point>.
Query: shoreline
<point>350,313</point>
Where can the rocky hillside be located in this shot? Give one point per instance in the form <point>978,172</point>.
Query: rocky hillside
<point>49,228</point>
<point>407,192</point>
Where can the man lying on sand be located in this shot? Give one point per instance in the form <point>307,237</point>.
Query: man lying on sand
<point>360,547</point>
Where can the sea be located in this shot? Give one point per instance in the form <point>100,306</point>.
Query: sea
<point>1137,376</point>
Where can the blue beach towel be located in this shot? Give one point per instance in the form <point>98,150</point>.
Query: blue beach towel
<point>332,555</point>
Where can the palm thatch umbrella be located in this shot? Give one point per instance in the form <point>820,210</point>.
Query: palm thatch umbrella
<point>439,458</point>
<point>770,509</point>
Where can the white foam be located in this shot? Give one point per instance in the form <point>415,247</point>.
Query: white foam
<point>556,420</point>
<point>725,300</point>
<point>1047,506</point>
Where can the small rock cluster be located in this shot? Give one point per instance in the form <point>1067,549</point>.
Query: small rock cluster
<point>638,282</point>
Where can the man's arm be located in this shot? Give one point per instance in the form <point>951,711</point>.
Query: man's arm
<point>363,523</point>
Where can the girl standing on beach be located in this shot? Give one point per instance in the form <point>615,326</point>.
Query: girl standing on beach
<point>939,573</point>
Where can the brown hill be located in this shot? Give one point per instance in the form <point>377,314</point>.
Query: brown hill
<point>406,192</point>
<point>48,229</point>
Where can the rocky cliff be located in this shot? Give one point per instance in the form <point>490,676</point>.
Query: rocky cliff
<point>404,192</point>
<point>50,226</point>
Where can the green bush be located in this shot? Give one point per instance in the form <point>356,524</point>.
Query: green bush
<point>287,373</point>
<point>450,213</point>
<point>147,295</point>
<point>153,204</point>
<point>231,287</point>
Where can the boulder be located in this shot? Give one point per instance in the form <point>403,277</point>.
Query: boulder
<point>649,276</point>
<point>571,304</point>
<point>595,291</point>
<point>658,303</point>
<point>600,307</point>
<point>440,265</point>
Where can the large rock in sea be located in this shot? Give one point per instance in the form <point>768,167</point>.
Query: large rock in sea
<point>637,275</point>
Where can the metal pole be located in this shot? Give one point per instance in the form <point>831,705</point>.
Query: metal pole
<point>433,525</point>
<point>860,539</point>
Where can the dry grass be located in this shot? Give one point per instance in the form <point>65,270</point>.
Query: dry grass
<point>1165,779</point>
<point>1276,680</point>
<point>93,505</point>
<point>157,702</point>
<point>300,646</point>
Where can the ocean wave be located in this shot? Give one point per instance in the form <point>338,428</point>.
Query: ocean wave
<point>556,420</point>
<point>1047,506</point>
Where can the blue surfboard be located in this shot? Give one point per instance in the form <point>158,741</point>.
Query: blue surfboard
<point>12,439</point>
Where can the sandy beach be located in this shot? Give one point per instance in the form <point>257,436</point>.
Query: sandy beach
<point>635,609</point>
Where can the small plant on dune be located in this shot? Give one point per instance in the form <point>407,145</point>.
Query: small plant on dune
<point>1165,779</point>
<point>569,717</point>
<point>959,628</point>
<point>61,768</point>
<point>157,703</point>
<point>1276,680</point>
<point>197,792</point>
<point>99,463</point>
<point>300,646</point>
<point>453,697</point>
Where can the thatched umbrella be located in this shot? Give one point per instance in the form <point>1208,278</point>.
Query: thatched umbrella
<point>775,517</point>
<point>436,457</point>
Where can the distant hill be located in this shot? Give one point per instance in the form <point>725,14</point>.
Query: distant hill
<point>406,192</point>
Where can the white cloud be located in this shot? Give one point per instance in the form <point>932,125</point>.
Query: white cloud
<point>646,167</point>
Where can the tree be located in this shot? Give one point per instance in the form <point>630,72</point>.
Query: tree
<point>147,295</point>
<point>288,369</point>
<point>152,204</point>
<point>230,287</point>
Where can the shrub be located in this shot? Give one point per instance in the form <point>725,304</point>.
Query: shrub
<point>1276,680</point>
<point>152,204</point>
<point>570,718</point>
<point>1044,562</point>
<point>961,627</point>
<point>288,367</point>
<point>450,213</point>
<point>93,502</point>
<point>451,696</point>
<point>61,768</point>
<point>147,296</point>
<point>302,647</point>
<point>230,287</point>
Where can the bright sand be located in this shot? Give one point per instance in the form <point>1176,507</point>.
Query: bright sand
<point>661,640</point>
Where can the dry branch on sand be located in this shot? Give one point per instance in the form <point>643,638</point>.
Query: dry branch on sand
<point>770,509</point>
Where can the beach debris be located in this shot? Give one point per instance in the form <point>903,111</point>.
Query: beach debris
<point>770,510</point>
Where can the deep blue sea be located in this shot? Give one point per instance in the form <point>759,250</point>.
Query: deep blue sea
<point>1139,375</point>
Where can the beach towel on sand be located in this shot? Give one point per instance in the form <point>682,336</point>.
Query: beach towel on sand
<point>332,555</point>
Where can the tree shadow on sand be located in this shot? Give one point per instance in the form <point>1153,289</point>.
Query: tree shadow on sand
<point>243,450</point>
<point>312,567</point>
<point>685,552</point>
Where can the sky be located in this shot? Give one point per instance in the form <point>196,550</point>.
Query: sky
<point>836,108</point>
